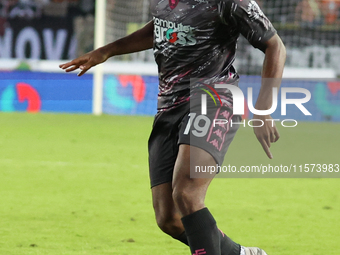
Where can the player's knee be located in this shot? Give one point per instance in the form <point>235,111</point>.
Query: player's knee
<point>170,225</point>
<point>187,200</point>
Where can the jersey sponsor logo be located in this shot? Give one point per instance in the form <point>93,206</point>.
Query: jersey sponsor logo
<point>175,33</point>
<point>173,4</point>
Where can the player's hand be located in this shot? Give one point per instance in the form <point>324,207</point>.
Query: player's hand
<point>267,133</point>
<point>85,62</point>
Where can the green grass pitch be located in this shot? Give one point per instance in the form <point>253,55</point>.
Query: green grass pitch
<point>78,184</point>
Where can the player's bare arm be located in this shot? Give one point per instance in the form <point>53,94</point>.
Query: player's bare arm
<point>275,57</point>
<point>140,40</point>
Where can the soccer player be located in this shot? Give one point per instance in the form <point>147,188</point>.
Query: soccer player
<point>196,40</point>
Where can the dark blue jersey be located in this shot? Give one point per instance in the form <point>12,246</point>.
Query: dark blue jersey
<point>196,39</point>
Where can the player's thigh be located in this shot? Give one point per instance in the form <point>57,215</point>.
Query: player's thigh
<point>203,146</point>
<point>187,159</point>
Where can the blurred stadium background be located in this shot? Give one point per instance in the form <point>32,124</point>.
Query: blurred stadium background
<point>64,177</point>
<point>37,35</point>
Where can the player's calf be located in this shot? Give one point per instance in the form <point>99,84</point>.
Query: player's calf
<point>167,217</point>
